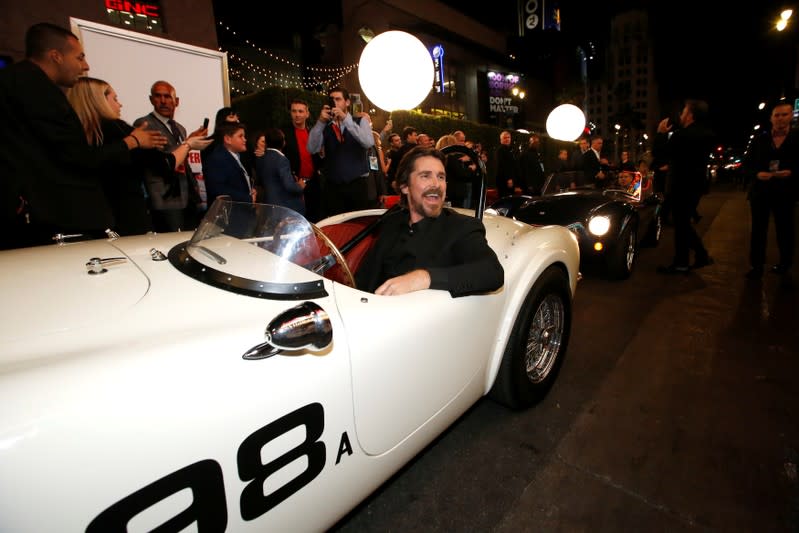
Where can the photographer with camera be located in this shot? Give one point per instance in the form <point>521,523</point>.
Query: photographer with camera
<point>343,142</point>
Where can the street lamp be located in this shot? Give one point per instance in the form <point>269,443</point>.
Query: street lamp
<point>782,23</point>
<point>617,126</point>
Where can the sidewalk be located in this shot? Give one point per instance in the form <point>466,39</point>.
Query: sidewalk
<point>703,408</point>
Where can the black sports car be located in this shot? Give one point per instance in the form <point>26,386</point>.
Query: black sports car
<point>609,222</point>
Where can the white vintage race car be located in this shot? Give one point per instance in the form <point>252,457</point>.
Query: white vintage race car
<point>218,381</point>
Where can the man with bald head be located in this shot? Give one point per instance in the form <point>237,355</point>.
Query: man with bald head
<point>49,182</point>
<point>173,199</point>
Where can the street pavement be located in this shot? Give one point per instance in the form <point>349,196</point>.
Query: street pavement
<point>697,426</point>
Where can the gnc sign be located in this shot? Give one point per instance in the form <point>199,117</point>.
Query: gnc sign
<point>137,8</point>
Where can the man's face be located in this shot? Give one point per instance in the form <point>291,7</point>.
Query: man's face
<point>164,100</point>
<point>583,145</point>
<point>338,98</point>
<point>413,138</point>
<point>299,114</point>
<point>395,141</point>
<point>425,140</point>
<point>236,142</point>
<point>596,144</point>
<point>535,142</point>
<point>426,188</point>
<point>686,117</point>
<point>781,116</point>
<point>504,138</point>
<point>70,63</point>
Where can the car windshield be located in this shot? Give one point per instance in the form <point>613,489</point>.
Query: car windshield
<point>628,182</point>
<point>257,249</point>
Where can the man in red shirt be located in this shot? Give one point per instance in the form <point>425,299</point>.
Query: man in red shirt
<point>304,165</point>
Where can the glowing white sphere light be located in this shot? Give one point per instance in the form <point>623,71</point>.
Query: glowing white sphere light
<point>566,122</point>
<point>395,71</point>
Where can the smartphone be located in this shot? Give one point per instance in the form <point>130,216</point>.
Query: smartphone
<point>331,102</point>
<point>205,123</point>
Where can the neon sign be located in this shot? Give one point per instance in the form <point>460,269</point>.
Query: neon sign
<point>136,8</point>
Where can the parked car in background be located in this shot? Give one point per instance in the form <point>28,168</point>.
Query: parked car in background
<point>234,379</point>
<point>610,223</point>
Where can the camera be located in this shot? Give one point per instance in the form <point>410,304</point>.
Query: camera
<point>331,102</point>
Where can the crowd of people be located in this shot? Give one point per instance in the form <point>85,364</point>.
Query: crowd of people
<point>73,166</point>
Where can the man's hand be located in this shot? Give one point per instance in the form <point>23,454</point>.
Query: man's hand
<point>415,280</point>
<point>326,114</point>
<point>199,132</point>
<point>337,114</point>
<point>664,126</point>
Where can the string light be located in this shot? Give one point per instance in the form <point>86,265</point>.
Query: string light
<point>340,70</point>
<point>283,78</point>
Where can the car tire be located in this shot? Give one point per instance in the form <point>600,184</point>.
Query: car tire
<point>654,231</point>
<point>537,343</point>
<point>621,262</point>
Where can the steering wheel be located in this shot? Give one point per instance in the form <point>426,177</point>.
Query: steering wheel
<point>350,279</point>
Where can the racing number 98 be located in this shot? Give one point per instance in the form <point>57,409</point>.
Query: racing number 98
<point>204,479</point>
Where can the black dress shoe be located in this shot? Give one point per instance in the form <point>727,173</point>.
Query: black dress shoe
<point>673,269</point>
<point>780,268</point>
<point>703,262</point>
<point>755,273</point>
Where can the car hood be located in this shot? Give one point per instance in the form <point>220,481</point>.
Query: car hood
<point>561,209</point>
<point>52,290</point>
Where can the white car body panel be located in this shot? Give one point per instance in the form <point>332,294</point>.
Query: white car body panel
<point>116,383</point>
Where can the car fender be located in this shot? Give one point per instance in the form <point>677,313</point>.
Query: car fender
<point>529,252</point>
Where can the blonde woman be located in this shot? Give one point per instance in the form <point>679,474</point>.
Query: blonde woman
<point>98,108</point>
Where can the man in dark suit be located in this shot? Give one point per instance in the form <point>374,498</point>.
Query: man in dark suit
<point>532,175</point>
<point>174,198</point>
<point>304,165</point>
<point>687,154</point>
<point>426,246</point>
<point>504,166</point>
<point>594,164</point>
<point>49,180</point>
<point>223,171</point>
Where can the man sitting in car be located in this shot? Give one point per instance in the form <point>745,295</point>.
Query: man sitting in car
<point>424,245</point>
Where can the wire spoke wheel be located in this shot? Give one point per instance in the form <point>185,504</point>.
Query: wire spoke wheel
<point>544,338</point>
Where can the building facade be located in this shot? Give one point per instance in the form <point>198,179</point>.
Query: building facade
<point>626,94</point>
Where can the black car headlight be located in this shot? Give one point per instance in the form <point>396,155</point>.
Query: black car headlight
<point>599,225</point>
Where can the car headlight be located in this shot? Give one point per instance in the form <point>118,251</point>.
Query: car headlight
<point>599,225</point>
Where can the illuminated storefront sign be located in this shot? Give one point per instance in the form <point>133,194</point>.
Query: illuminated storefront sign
<point>501,93</point>
<point>136,15</point>
<point>136,8</point>
<point>438,67</point>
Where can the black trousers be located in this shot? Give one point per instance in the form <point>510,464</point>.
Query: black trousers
<point>343,197</point>
<point>782,206</point>
<point>683,206</point>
